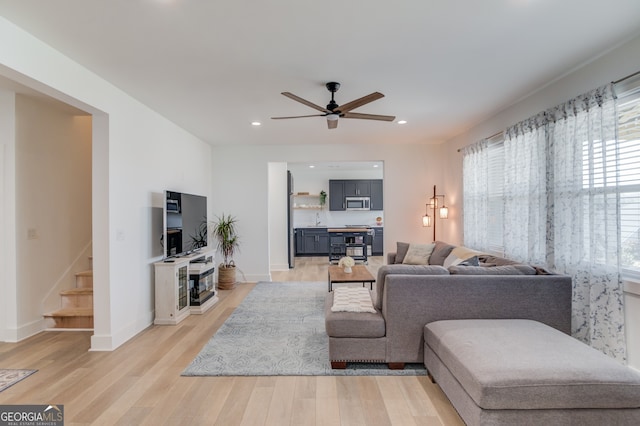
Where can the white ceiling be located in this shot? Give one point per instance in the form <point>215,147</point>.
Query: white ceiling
<point>214,66</point>
<point>334,166</point>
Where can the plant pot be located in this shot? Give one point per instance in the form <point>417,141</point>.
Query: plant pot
<point>347,269</point>
<point>226,277</point>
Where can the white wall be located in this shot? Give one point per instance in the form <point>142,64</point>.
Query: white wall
<point>614,65</point>
<point>53,182</point>
<point>278,229</point>
<point>137,154</point>
<point>8,290</point>
<point>241,188</point>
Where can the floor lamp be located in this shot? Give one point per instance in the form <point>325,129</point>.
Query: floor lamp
<point>435,204</point>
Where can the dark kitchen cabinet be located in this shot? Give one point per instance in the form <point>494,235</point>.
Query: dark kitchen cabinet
<point>312,241</point>
<point>336,195</point>
<point>377,246</point>
<point>299,249</point>
<point>376,195</point>
<point>339,189</point>
<point>357,188</point>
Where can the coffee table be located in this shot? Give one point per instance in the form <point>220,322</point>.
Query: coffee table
<point>359,274</point>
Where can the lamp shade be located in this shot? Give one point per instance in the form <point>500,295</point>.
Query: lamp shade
<point>444,212</point>
<point>332,117</point>
<point>426,220</point>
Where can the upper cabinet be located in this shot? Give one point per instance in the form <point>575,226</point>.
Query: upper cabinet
<point>336,195</point>
<point>357,188</point>
<point>376,195</point>
<point>339,189</point>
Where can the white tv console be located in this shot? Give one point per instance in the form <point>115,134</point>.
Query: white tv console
<point>184,286</point>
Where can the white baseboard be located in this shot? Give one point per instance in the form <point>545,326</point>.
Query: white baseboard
<point>25,331</point>
<point>101,343</point>
<point>110,342</point>
<point>280,267</point>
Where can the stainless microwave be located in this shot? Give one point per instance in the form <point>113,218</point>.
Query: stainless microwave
<point>357,203</point>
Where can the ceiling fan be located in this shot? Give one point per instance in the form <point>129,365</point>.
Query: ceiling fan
<point>333,111</point>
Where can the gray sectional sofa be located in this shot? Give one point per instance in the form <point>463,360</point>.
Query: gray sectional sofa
<point>407,297</point>
<point>494,334</point>
<point>520,372</point>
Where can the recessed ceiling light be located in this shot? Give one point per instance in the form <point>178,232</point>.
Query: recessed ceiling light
<point>375,165</point>
<point>402,122</point>
<point>255,123</point>
<point>312,166</point>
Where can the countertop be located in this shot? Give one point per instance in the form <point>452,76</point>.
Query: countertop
<point>348,229</point>
<point>341,228</point>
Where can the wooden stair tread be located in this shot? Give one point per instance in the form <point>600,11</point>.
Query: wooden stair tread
<point>88,273</point>
<point>78,291</point>
<point>72,312</point>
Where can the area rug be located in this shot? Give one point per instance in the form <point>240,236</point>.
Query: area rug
<point>9,378</point>
<point>278,330</point>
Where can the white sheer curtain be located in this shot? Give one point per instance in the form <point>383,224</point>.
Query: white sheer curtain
<point>525,191</point>
<point>475,181</point>
<point>561,207</point>
<point>585,225</point>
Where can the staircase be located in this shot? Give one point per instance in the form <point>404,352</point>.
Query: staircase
<point>76,311</point>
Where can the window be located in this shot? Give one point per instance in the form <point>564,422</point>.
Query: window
<point>495,203</point>
<point>629,180</point>
<point>610,176</point>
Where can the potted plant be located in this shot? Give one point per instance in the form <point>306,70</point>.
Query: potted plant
<point>323,198</point>
<point>224,232</point>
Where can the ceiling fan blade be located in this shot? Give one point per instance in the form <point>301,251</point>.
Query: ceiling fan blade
<point>368,116</point>
<point>299,116</point>
<point>304,101</point>
<point>359,102</point>
<point>332,124</point>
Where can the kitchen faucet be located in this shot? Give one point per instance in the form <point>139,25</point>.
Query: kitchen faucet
<point>317,219</point>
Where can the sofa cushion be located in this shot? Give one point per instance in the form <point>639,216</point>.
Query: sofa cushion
<point>492,270</point>
<point>440,253</point>
<point>352,324</point>
<point>401,251</point>
<point>524,364</point>
<point>418,254</point>
<point>385,270</point>
<point>459,255</point>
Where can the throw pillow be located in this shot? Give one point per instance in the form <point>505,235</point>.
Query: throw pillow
<point>472,261</point>
<point>418,254</point>
<point>492,270</point>
<point>440,253</point>
<point>459,255</point>
<point>401,251</point>
<point>495,260</point>
<point>352,299</point>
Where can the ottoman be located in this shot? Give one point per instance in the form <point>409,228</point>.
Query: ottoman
<point>506,372</point>
<point>354,336</point>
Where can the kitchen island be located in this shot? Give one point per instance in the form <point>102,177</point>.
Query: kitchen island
<point>348,241</point>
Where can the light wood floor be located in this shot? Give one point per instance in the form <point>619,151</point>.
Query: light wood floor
<point>140,383</point>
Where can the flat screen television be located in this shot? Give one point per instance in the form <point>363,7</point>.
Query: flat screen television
<point>185,223</point>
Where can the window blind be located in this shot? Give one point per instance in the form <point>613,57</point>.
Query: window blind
<point>495,192</point>
<point>628,179</point>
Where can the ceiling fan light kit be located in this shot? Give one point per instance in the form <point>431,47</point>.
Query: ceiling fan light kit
<point>333,111</point>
